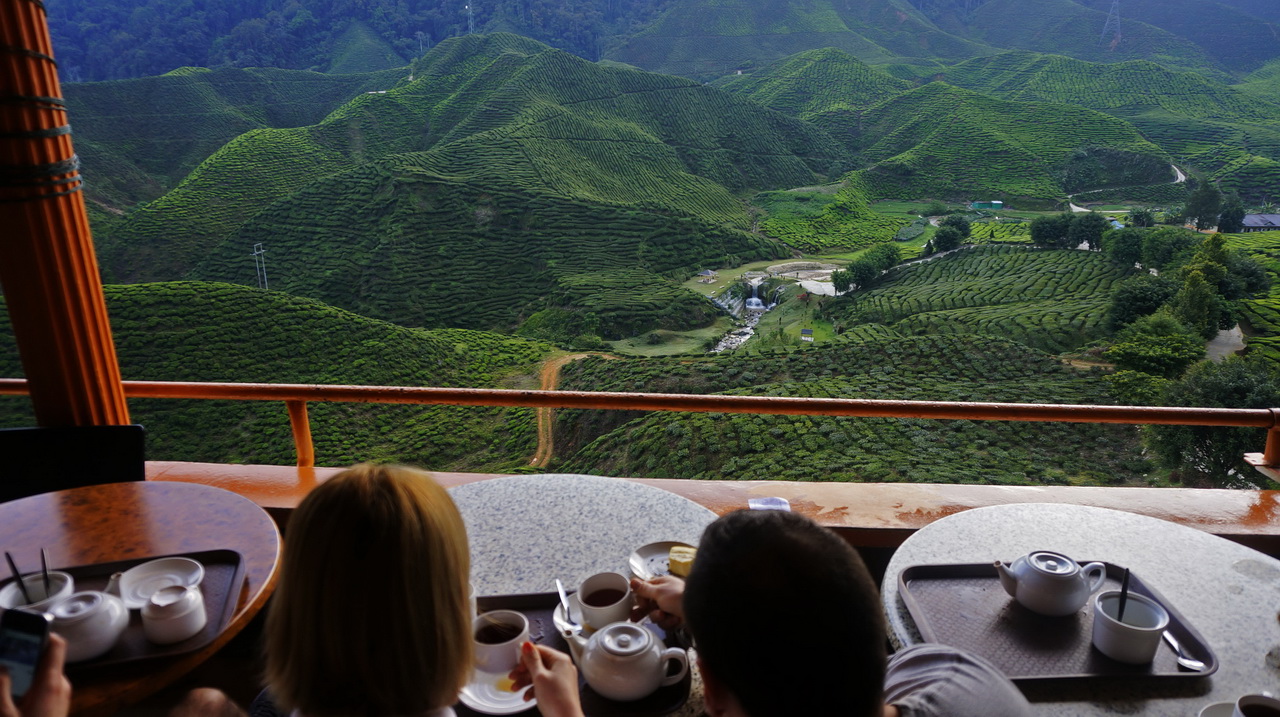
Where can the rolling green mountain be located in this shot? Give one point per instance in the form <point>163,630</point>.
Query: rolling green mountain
<point>820,448</point>
<point>1238,38</point>
<point>137,138</point>
<point>499,147</point>
<point>194,331</point>
<point>942,141</point>
<point>1222,132</point>
<point>815,83</point>
<point>704,39</point>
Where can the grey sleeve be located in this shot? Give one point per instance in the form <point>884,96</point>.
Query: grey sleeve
<point>928,680</point>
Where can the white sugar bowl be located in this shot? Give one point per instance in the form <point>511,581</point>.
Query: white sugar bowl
<point>173,614</point>
<point>91,623</point>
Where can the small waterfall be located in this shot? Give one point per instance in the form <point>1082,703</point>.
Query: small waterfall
<point>754,303</point>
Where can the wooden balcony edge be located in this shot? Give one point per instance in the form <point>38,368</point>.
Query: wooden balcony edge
<point>867,514</point>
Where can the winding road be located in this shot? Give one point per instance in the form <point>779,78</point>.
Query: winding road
<point>1178,178</point>
<point>548,381</point>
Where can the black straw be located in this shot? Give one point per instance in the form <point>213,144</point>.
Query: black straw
<point>18,576</point>
<point>1124,595</point>
<point>44,570</point>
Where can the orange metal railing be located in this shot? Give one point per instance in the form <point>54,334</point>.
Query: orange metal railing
<point>296,396</point>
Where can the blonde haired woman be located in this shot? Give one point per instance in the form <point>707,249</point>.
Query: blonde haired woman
<point>371,615</point>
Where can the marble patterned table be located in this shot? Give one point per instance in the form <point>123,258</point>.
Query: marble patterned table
<point>1230,593</point>
<point>526,531</point>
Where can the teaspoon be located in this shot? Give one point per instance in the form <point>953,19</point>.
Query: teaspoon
<point>1185,661</point>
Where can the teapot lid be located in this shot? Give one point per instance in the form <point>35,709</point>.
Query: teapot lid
<point>625,639</point>
<point>77,607</point>
<point>1051,563</point>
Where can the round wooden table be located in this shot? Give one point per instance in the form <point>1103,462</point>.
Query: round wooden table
<point>123,521</point>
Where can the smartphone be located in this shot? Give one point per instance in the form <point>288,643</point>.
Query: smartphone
<point>23,636</point>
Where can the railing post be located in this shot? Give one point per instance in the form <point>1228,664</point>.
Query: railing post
<point>1271,454</point>
<point>301,425</point>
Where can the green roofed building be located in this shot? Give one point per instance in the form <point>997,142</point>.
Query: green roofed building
<point>986,205</point>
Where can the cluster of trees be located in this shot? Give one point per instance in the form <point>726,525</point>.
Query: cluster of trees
<point>866,268</point>
<point>1162,321</point>
<point>1206,208</point>
<point>114,39</point>
<point>1068,230</point>
<point>952,231</point>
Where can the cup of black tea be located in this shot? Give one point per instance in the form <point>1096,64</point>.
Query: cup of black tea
<point>1257,706</point>
<point>605,598</point>
<point>498,635</point>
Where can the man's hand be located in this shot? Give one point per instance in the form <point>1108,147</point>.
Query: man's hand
<point>553,677</point>
<point>661,598</point>
<point>50,693</point>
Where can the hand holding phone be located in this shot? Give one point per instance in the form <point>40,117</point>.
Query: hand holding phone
<point>41,690</point>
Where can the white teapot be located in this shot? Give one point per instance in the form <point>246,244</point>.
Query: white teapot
<point>90,622</point>
<point>1050,583</point>
<point>624,661</point>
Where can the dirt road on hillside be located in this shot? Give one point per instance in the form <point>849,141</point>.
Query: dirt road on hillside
<point>549,380</point>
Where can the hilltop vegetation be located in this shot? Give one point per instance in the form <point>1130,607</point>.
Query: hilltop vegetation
<point>753,447</point>
<point>194,331</point>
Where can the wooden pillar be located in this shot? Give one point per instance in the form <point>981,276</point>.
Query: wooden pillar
<point>47,264</point>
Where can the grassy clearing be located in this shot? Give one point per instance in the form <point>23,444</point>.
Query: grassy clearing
<point>672,343</point>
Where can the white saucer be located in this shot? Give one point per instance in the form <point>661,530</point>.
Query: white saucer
<point>482,695</point>
<point>1219,709</point>
<point>652,560</point>
<point>139,583</point>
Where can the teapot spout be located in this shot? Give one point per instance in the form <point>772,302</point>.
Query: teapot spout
<point>1008,580</point>
<point>577,643</point>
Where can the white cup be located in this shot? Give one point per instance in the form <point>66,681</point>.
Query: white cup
<point>173,614</point>
<point>61,585</point>
<point>605,598</point>
<point>498,635</point>
<point>1135,640</point>
<point>1257,706</point>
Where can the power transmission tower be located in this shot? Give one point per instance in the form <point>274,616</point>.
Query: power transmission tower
<point>259,255</point>
<point>1112,29</point>
<point>471,20</point>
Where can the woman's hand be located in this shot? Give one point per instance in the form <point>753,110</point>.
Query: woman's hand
<point>50,692</point>
<point>661,598</point>
<point>553,677</point>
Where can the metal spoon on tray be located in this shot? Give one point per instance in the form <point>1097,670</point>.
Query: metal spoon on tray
<point>1185,661</point>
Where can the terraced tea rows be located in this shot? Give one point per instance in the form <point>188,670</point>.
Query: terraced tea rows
<point>1001,232</point>
<point>1052,300</point>
<point>192,331</point>
<point>748,447</point>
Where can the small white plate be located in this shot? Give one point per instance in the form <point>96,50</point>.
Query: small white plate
<point>139,583</point>
<point>483,694</point>
<point>652,560</point>
<point>1219,709</point>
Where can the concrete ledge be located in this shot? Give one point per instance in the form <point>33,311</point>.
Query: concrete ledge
<point>871,515</point>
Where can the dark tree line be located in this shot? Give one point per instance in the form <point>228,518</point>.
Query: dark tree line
<point>112,39</point>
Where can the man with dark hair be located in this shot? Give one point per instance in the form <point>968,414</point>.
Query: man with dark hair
<point>774,602</point>
<point>787,621</point>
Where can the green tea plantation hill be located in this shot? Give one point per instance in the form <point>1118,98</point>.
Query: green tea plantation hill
<point>821,448</point>
<point>1053,300</point>
<point>137,138</point>
<point>942,141</point>
<point>814,84</point>
<point>487,120</point>
<point>195,331</point>
<point>1223,132</point>
<point>705,39</point>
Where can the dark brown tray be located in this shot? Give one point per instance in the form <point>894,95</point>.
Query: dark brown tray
<point>539,607</point>
<point>222,587</point>
<point>965,606</point>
